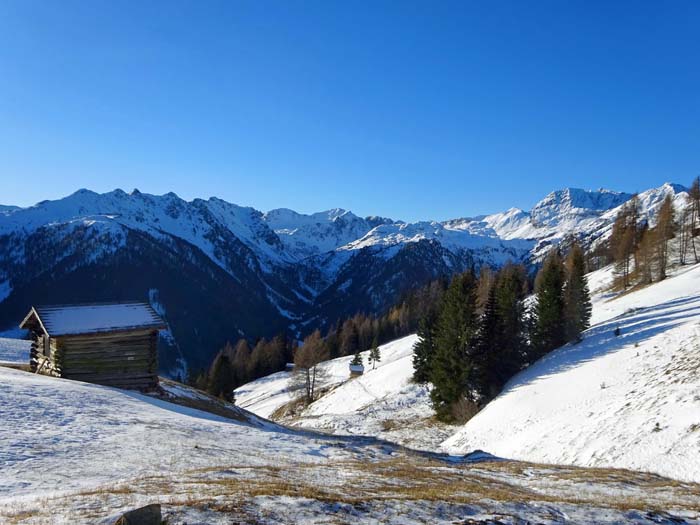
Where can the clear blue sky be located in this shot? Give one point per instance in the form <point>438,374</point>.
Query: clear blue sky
<point>412,110</point>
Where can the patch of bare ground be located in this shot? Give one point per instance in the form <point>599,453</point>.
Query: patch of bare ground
<point>232,489</point>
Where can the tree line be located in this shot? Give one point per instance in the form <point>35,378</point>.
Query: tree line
<point>642,253</point>
<point>239,363</point>
<point>482,332</point>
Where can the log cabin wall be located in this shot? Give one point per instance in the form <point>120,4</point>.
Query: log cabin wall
<point>121,359</point>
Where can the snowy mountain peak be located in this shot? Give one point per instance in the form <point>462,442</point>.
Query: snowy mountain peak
<point>574,202</point>
<point>308,235</point>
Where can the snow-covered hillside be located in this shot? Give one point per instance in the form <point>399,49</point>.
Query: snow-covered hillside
<point>383,402</point>
<point>74,453</point>
<point>631,401</point>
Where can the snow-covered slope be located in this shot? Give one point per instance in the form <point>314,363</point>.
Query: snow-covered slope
<point>631,401</point>
<point>74,453</point>
<point>382,402</point>
<point>265,395</point>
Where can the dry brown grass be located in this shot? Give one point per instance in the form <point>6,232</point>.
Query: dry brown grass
<point>231,489</point>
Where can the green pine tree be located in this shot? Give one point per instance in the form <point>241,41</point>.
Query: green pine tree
<point>549,330</point>
<point>486,362</point>
<point>501,348</point>
<point>374,354</point>
<point>510,294</point>
<point>424,349</point>
<point>576,295</point>
<point>451,367</point>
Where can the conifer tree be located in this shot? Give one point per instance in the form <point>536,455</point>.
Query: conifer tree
<point>356,360</point>
<point>486,361</point>
<point>549,329</point>
<point>501,347</point>
<point>374,354</point>
<point>576,295</point>
<point>451,366</point>
<point>424,350</point>
<point>510,294</point>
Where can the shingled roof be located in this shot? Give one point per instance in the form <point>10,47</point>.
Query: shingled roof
<point>63,320</point>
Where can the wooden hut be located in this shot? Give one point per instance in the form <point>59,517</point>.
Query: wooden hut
<point>110,344</point>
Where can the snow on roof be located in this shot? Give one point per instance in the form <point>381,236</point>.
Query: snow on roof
<point>96,318</point>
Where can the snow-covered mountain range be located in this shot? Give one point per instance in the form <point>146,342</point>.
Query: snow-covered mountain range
<point>223,271</point>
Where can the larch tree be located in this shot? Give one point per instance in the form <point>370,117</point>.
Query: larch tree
<point>221,379</point>
<point>645,255</point>
<point>623,240</point>
<point>349,338</point>
<point>306,360</point>
<point>241,362</point>
<point>665,231</point>
<point>694,206</point>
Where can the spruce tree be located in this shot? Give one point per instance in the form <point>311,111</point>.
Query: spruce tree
<point>374,354</point>
<point>549,327</point>
<point>513,343</point>
<point>424,349</point>
<point>451,366</point>
<point>486,360</point>
<point>501,347</point>
<point>576,296</point>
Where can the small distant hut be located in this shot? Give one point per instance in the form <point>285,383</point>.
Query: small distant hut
<point>113,344</point>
